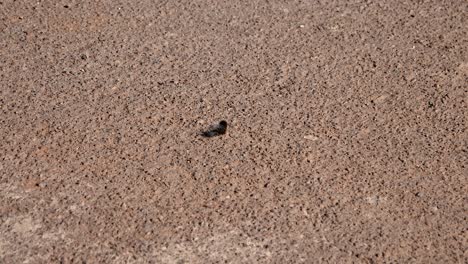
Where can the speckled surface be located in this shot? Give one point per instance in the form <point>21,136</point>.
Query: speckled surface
<point>347,135</point>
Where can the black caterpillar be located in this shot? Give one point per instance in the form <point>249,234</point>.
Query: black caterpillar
<point>216,130</point>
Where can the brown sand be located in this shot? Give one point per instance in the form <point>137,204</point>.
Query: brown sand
<point>347,137</point>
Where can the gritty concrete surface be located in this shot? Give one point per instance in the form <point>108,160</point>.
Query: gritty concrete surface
<point>347,137</point>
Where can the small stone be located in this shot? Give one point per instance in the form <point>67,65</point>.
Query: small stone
<point>311,137</point>
<point>380,99</point>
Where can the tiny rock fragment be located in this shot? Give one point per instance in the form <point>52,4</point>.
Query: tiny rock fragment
<point>311,137</point>
<point>380,99</point>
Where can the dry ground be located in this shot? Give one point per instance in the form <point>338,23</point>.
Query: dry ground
<point>347,138</point>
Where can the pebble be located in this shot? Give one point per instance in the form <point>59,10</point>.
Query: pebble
<point>311,137</point>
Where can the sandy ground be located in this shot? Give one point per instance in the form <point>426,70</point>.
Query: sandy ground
<point>347,137</point>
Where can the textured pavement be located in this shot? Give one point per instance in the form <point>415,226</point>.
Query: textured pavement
<point>347,136</point>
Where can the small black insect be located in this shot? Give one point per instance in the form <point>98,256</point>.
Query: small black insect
<point>216,130</point>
